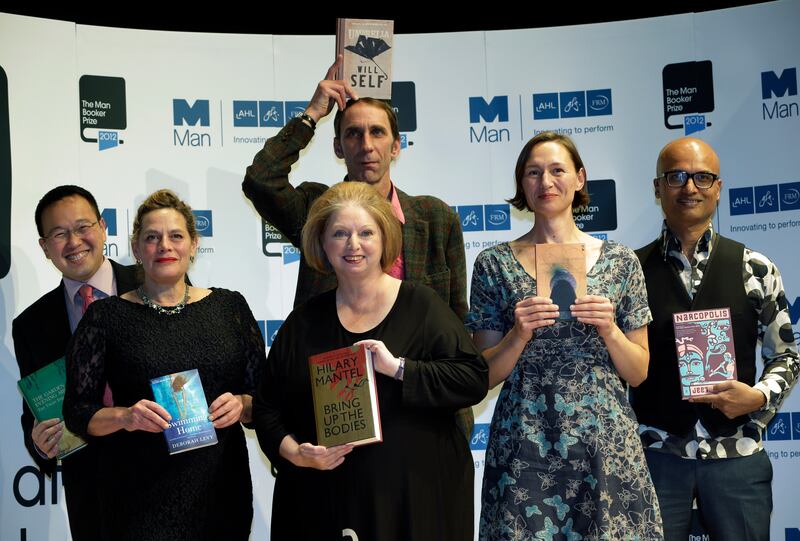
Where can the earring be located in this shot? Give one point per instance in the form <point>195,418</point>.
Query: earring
<point>191,259</point>
<point>138,261</point>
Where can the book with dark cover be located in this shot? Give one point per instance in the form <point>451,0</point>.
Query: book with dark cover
<point>561,275</point>
<point>704,342</point>
<point>366,46</point>
<point>43,391</point>
<point>182,395</point>
<point>345,397</point>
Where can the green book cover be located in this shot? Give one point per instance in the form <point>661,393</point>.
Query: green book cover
<point>43,391</point>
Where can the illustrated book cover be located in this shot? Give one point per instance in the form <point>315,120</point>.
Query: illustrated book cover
<point>182,395</point>
<point>704,342</point>
<point>366,46</point>
<point>345,397</point>
<point>43,391</point>
<point>561,275</point>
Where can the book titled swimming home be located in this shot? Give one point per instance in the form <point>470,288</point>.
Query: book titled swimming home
<point>181,394</point>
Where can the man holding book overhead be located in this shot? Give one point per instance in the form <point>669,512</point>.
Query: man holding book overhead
<point>368,140</point>
<point>710,447</point>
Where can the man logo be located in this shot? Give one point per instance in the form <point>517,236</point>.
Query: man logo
<point>741,201</point>
<point>203,222</point>
<point>773,86</point>
<point>497,109</point>
<point>184,114</point>
<point>110,217</point>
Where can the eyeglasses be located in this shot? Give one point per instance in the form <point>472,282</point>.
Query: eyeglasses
<point>678,179</point>
<point>61,235</point>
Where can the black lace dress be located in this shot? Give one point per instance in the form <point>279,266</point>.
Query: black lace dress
<point>147,494</point>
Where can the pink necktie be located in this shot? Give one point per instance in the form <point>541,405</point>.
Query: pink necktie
<point>87,295</point>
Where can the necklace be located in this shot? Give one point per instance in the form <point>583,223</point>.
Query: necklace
<point>169,311</point>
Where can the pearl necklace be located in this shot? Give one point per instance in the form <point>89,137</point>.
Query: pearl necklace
<point>172,310</point>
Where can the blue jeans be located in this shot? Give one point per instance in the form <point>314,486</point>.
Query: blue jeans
<point>734,495</point>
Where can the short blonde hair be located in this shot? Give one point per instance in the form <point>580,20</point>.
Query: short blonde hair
<point>342,195</point>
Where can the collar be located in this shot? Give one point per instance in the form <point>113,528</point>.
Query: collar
<point>669,242</point>
<point>396,208</point>
<point>102,280</point>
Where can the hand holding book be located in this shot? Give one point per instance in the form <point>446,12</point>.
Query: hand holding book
<point>308,455</point>
<point>532,313</point>
<point>228,409</point>
<point>46,435</point>
<point>330,92</point>
<point>595,310</point>
<point>384,362</point>
<point>733,398</point>
<point>146,415</point>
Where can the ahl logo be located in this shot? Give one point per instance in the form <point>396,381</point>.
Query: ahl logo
<point>265,114</point>
<point>197,115</point>
<point>688,91</point>
<point>774,86</point>
<point>269,329</point>
<point>573,104</point>
<point>480,437</point>
<point>203,222</point>
<point>102,108</point>
<point>484,217</point>
<point>769,198</point>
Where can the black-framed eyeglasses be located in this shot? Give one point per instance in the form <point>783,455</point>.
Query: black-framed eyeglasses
<point>61,235</point>
<point>702,179</point>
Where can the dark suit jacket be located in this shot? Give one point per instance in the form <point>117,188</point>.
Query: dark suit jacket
<point>41,333</point>
<point>433,245</point>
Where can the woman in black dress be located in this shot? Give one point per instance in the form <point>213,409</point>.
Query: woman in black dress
<point>418,483</point>
<point>163,327</point>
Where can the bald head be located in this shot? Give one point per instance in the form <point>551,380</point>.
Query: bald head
<point>687,150</point>
<point>687,208</point>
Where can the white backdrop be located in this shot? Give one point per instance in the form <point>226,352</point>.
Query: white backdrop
<point>478,96</point>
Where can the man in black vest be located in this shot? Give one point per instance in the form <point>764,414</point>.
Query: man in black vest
<point>710,447</point>
<point>72,236</point>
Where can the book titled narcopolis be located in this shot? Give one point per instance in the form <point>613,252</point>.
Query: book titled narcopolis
<point>704,343</point>
<point>345,397</point>
<point>181,394</point>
